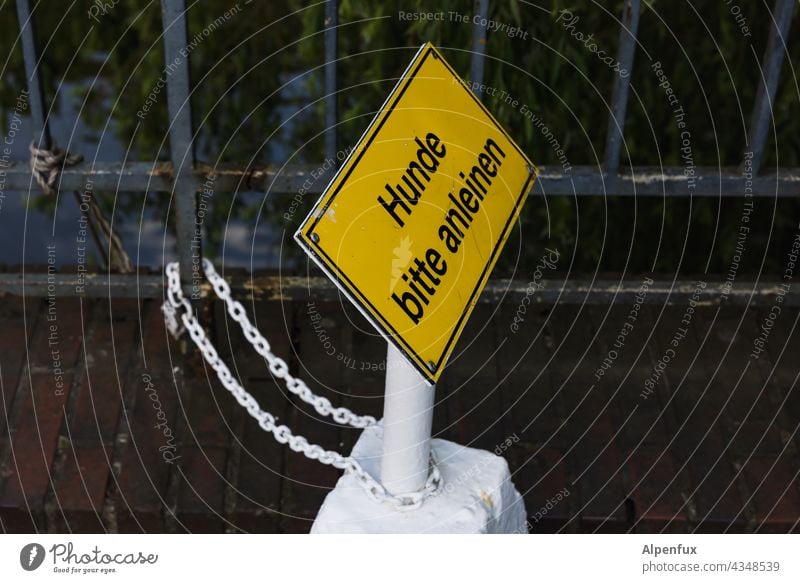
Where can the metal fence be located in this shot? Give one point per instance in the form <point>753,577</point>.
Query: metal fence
<point>183,176</point>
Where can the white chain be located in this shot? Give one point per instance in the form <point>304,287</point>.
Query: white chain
<point>178,304</point>
<point>278,366</point>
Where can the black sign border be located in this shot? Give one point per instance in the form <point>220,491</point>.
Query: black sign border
<point>304,234</point>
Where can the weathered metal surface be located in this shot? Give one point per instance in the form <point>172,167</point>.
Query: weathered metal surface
<point>321,289</point>
<point>762,116</point>
<point>181,137</point>
<point>331,82</point>
<point>312,178</point>
<point>629,26</point>
<point>481,12</point>
<point>30,53</point>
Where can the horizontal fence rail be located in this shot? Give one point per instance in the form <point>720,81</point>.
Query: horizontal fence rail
<point>292,179</point>
<point>297,288</point>
<point>612,178</point>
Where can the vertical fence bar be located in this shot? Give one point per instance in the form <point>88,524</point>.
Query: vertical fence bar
<point>626,51</point>
<point>480,12</point>
<point>765,96</point>
<point>30,54</point>
<point>181,144</point>
<point>331,54</point>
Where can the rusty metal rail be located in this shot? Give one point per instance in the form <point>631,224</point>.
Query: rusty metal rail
<point>183,176</point>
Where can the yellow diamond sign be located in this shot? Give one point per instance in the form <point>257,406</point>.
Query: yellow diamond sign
<point>413,222</point>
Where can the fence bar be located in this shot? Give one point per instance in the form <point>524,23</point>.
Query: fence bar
<point>480,10</point>
<point>771,69</point>
<point>666,182</point>
<point>30,54</point>
<point>181,144</point>
<point>331,54</point>
<point>626,51</point>
<point>293,288</point>
<point>289,180</point>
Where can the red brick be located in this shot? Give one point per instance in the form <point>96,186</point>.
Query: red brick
<point>573,361</point>
<point>471,382</point>
<point>13,342</point>
<point>540,475</point>
<point>70,317</point>
<point>713,490</point>
<point>99,400</point>
<point>307,482</point>
<point>120,309</point>
<point>140,498</point>
<point>200,506</point>
<point>528,399</point>
<point>773,483</point>
<point>21,520</point>
<point>363,376</point>
<point>28,468</point>
<point>207,411</point>
<point>258,488</point>
<point>258,458</point>
<point>602,495</point>
<point>81,489</point>
<point>142,484</point>
<point>656,491</point>
<point>597,464</point>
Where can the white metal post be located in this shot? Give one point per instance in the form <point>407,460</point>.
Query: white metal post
<point>407,418</point>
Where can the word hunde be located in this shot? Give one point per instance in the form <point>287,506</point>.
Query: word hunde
<point>424,274</point>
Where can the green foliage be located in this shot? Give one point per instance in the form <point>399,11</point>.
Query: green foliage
<point>711,66</point>
<point>258,97</point>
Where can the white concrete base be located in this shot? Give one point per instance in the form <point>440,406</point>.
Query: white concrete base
<point>477,496</point>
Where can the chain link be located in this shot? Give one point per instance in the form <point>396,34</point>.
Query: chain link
<point>277,365</point>
<point>180,317</point>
